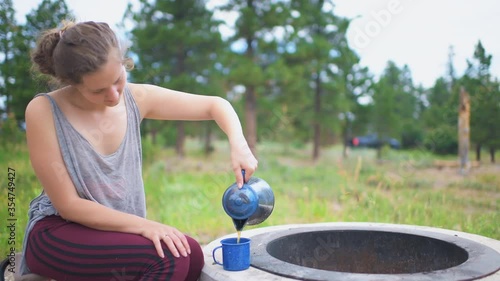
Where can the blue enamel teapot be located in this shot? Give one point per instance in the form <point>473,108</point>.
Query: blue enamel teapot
<point>251,204</point>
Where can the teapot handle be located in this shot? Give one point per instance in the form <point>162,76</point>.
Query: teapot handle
<point>243,174</point>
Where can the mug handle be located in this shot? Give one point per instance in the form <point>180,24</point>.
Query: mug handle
<point>213,255</point>
<point>243,174</point>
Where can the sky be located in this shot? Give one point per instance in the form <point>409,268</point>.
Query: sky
<point>417,33</point>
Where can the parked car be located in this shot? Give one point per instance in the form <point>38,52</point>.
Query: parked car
<point>373,141</point>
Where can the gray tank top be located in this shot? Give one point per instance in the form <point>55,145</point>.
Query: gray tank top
<point>113,180</point>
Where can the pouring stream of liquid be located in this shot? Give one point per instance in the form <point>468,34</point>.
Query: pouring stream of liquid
<point>239,224</point>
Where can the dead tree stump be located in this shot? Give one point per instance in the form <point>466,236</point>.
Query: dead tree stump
<point>464,131</point>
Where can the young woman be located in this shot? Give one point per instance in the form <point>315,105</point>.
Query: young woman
<point>90,221</point>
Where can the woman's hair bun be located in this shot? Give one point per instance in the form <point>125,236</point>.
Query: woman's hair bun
<point>42,55</point>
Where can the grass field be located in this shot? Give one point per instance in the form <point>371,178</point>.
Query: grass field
<point>404,187</point>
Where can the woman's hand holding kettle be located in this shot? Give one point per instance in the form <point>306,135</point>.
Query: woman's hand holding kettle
<point>242,158</point>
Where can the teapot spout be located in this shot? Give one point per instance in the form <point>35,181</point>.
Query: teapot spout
<point>239,224</point>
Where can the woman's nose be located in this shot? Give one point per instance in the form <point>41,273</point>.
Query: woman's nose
<point>113,93</point>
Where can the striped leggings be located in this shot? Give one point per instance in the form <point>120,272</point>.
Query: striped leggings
<point>64,250</point>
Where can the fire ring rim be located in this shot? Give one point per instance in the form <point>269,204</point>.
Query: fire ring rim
<point>482,261</point>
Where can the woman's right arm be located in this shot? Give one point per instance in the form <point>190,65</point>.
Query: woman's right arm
<point>49,167</point>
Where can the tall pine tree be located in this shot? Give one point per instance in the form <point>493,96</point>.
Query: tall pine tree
<point>176,43</point>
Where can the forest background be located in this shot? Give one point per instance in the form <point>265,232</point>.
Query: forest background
<point>288,68</point>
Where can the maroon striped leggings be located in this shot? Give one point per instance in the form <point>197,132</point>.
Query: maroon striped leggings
<point>64,250</point>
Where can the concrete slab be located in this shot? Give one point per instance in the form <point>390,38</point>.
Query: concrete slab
<point>214,272</point>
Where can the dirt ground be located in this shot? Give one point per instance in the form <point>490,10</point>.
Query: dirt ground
<point>444,176</point>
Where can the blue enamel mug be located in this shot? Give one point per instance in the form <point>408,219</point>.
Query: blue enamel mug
<point>235,256</point>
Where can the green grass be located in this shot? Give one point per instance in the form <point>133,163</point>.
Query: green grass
<point>401,188</point>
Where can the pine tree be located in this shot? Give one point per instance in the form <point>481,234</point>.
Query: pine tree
<point>177,44</point>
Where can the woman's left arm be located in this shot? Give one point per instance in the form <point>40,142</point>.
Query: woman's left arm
<point>164,104</point>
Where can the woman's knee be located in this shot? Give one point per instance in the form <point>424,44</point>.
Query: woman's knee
<point>181,268</point>
<point>197,261</point>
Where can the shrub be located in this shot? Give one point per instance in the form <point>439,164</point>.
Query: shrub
<point>442,140</point>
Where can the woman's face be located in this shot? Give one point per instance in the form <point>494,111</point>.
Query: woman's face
<point>105,86</point>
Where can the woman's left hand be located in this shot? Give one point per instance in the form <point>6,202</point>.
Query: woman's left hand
<point>242,158</point>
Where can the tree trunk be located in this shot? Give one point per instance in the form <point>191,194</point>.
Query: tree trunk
<point>154,134</point>
<point>152,131</point>
<point>208,139</point>
<point>345,151</point>
<point>347,134</point>
<point>179,142</point>
<point>179,70</point>
<point>463,131</point>
<point>478,152</point>
<point>8,93</point>
<point>492,154</point>
<point>317,113</point>
<point>250,97</point>
<point>251,119</point>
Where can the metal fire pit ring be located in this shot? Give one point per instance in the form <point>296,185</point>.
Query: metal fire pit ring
<point>371,253</point>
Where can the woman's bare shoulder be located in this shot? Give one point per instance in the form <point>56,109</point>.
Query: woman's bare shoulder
<point>138,90</point>
<point>41,102</point>
<point>37,105</point>
<point>140,94</point>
